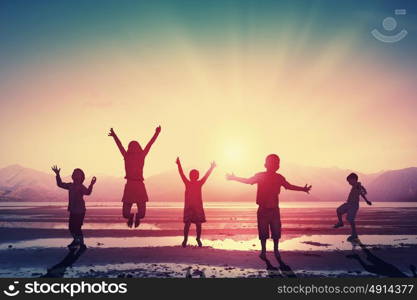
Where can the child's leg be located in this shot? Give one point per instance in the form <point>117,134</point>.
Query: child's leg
<point>141,210</point>
<point>186,230</point>
<point>126,212</point>
<point>140,213</point>
<point>198,228</point>
<point>339,216</point>
<point>276,250</point>
<point>276,244</point>
<point>275,226</point>
<point>75,223</point>
<point>263,249</point>
<point>79,231</point>
<point>71,226</point>
<point>351,216</point>
<point>340,211</point>
<point>263,229</point>
<point>353,226</point>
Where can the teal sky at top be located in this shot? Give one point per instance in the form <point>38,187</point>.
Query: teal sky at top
<point>40,28</point>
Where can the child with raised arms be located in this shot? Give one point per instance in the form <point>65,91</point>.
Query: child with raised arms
<point>135,190</point>
<point>193,201</point>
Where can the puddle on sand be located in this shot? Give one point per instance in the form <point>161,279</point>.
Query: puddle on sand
<point>301,243</point>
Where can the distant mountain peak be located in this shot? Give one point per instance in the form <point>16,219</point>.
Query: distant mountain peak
<point>329,184</point>
<point>13,167</point>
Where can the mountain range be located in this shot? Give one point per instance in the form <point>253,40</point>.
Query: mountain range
<point>18,183</point>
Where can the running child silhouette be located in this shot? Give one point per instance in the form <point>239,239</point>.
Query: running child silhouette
<point>134,191</point>
<point>351,207</point>
<point>268,214</point>
<point>193,204</point>
<point>76,204</point>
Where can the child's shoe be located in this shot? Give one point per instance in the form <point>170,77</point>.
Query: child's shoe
<point>184,243</point>
<point>73,246</point>
<point>130,221</point>
<point>352,238</point>
<point>338,225</point>
<point>76,243</point>
<point>200,244</point>
<point>137,220</point>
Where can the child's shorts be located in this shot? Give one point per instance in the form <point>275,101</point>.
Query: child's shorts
<point>269,219</point>
<point>134,192</point>
<point>350,209</point>
<point>194,215</point>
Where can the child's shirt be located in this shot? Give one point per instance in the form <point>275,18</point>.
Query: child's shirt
<point>269,187</point>
<point>76,203</point>
<point>134,163</point>
<point>356,191</point>
<point>193,195</point>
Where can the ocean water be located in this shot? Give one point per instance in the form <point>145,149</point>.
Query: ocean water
<point>225,205</point>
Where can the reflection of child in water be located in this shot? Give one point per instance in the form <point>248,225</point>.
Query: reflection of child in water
<point>76,204</point>
<point>135,191</point>
<point>193,204</point>
<point>351,207</point>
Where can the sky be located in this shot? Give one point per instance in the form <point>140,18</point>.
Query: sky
<point>230,81</point>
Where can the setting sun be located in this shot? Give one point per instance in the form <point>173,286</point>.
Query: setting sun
<point>233,153</point>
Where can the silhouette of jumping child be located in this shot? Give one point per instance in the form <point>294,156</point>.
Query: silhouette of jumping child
<point>351,207</point>
<point>268,214</point>
<point>134,191</point>
<point>193,204</point>
<point>76,204</point>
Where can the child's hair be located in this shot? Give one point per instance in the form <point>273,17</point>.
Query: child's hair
<point>272,162</point>
<point>352,176</point>
<point>194,174</point>
<point>134,147</point>
<point>78,176</point>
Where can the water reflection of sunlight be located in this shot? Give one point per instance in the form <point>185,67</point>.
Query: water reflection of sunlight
<point>302,243</point>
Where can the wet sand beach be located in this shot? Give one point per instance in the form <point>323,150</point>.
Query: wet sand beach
<point>34,238</point>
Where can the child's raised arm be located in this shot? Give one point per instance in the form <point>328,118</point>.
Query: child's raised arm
<point>206,176</point>
<point>59,182</point>
<point>89,190</point>
<point>118,142</point>
<point>152,140</point>
<point>181,171</point>
<point>233,177</point>
<point>292,187</point>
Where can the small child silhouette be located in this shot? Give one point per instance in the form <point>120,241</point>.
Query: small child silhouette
<point>76,204</point>
<point>134,191</point>
<point>268,215</point>
<point>351,207</point>
<point>193,204</point>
